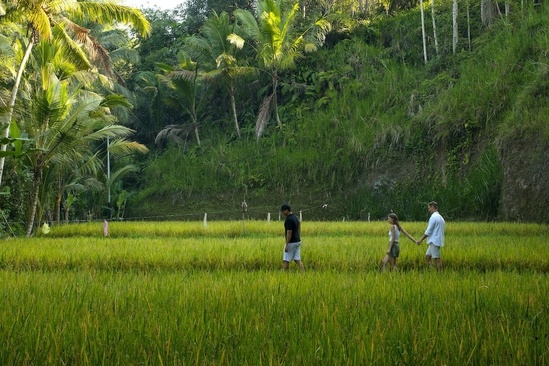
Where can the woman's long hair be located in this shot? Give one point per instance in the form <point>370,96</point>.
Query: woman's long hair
<point>394,216</point>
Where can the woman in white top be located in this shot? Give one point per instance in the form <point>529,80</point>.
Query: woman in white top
<point>394,235</point>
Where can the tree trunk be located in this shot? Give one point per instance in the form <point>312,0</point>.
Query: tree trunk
<point>486,12</point>
<point>454,26</point>
<point>196,135</point>
<point>423,30</point>
<point>468,26</point>
<point>14,92</point>
<point>434,26</point>
<point>233,105</point>
<point>58,202</point>
<point>275,100</point>
<point>34,200</point>
<point>195,127</point>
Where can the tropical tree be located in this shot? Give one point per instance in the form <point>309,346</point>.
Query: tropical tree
<point>64,121</point>
<point>216,49</point>
<point>188,92</point>
<point>277,47</point>
<point>150,114</point>
<point>165,40</point>
<point>66,183</point>
<point>68,126</point>
<point>51,19</point>
<point>196,12</point>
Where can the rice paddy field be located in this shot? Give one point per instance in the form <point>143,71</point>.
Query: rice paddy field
<point>183,293</point>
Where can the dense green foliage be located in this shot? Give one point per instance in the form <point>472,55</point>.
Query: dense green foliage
<point>367,128</point>
<point>179,293</point>
<point>312,104</point>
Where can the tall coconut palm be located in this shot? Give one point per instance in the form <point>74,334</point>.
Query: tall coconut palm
<point>216,49</point>
<point>64,122</point>
<point>277,46</point>
<point>67,126</point>
<point>49,19</point>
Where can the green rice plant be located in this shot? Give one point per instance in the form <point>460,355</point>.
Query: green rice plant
<point>182,294</point>
<point>225,318</point>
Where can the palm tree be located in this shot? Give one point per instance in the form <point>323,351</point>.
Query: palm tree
<point>51,19</point>
<point>64,122</point>
<point>276,46</point>
<point>216,49</point>
<point>66,182</point>
<point>67,126</point>
<point>188,92</point>
<point>149,94</point>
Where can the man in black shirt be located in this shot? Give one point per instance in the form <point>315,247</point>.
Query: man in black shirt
<point>292,245</point>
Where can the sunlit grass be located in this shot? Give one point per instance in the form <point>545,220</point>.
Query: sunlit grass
<point>181,294</point>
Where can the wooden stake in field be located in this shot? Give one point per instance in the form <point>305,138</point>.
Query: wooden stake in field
<point>244,206</point>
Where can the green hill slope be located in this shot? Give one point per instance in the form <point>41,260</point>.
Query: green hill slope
<point>369,128</point>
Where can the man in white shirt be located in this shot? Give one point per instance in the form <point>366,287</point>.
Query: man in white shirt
<point>434,235</point>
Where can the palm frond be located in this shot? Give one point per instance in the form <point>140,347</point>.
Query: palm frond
<point>187,75</point>
<point>236,40</point>
<point>112,131</point>
<point>263,117</point>
<point>115,100</point>
<point>126,54</point>
<point>120,147</point>
<point>98,53</point>
<point>105,13</point>
<point>70,49</point>
<point>40,21</point>
<point>249,24</point>
<point>122,172</point>
<point>199,49</point>
<point>114,38</point>
<point>146,77</point>
<point>84,78</point>
<point>174,133</point>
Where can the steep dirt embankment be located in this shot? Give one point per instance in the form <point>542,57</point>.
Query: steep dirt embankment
<point>525,188</point>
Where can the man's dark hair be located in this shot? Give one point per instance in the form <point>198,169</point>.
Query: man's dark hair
<point>285,207</point>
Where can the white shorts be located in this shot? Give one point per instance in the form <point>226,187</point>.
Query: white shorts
<point>433,251</point>
<point>293,253</point>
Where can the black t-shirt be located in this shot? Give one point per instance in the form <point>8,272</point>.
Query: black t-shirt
<point>292,223</point>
